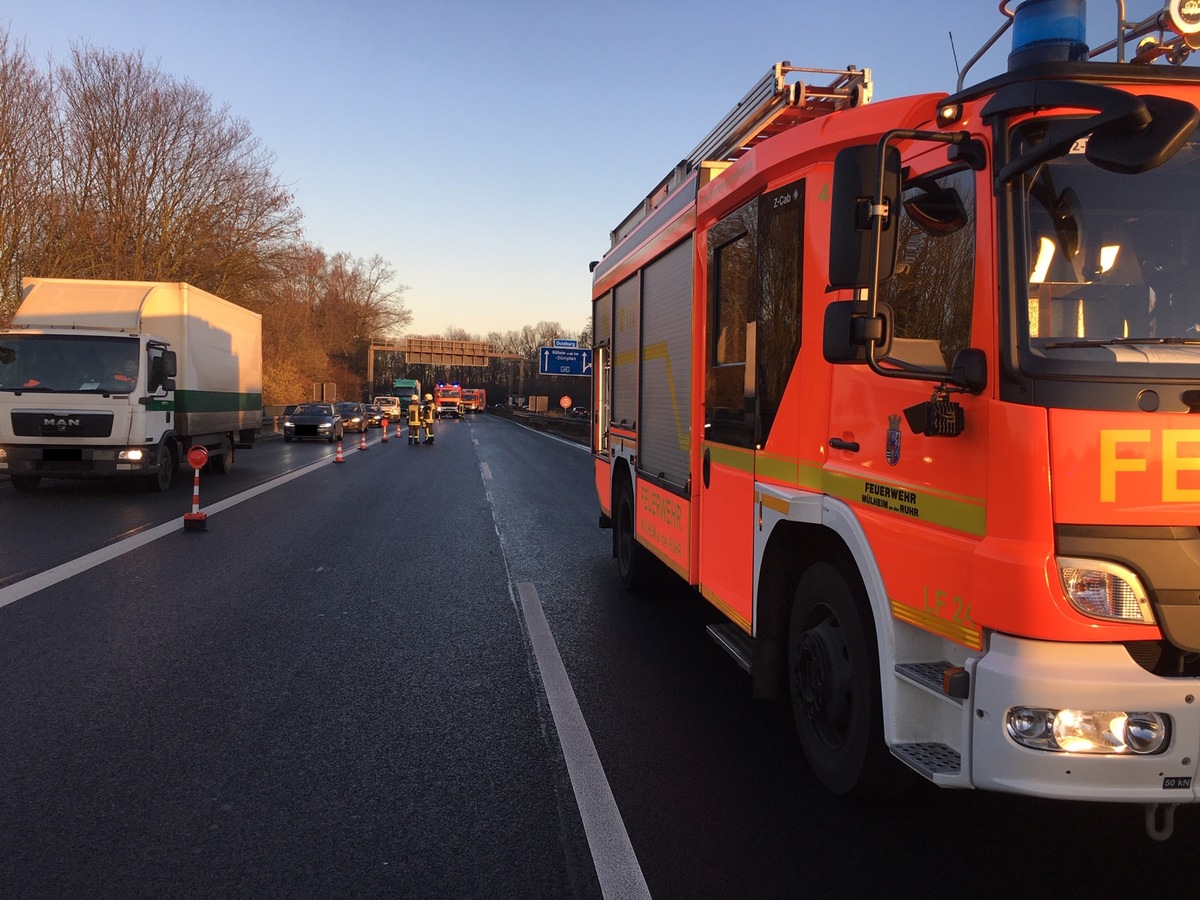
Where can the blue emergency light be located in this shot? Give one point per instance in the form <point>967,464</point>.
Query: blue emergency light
<point>1046,31</point>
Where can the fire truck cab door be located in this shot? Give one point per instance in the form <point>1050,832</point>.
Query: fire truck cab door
<point>726,491</point>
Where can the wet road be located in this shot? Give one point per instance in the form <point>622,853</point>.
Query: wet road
<point>343,688</point>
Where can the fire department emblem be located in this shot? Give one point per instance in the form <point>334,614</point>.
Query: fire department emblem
<point>893,440</point>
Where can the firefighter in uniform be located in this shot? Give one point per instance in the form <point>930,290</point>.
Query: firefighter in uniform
<point>414,420</point>
<point>430,413</point>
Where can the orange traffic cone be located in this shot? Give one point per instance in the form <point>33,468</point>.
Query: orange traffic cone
<point>339,457</point>
<point>398,435</point>
<point>383,424</point>
<point>362,440</point>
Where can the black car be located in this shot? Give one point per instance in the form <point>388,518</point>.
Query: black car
<point>374,414</point>
<point>312,420</point>
<point>354,416</point>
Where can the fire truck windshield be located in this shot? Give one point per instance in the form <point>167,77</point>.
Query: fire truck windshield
<point>1111,265</point>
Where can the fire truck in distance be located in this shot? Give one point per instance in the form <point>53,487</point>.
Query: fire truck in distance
<point>907,391</point>
<point>448,400</point>
<point>474,400</point>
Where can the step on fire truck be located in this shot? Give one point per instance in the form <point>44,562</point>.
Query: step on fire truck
<point>906,389</point>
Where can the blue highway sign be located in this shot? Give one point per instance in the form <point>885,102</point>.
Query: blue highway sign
<point>565,361</point>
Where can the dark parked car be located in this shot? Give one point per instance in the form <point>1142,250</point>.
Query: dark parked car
<point>354,416</point>
<point>312,420</point>
<point>374,414</point>
<point>579,412</point>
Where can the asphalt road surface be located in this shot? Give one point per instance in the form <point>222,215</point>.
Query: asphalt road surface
<point>415,674</point>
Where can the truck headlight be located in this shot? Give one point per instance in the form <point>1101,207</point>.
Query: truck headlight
<point>133,455</point>
<point>1104,590</point>
<point>1089,731</point>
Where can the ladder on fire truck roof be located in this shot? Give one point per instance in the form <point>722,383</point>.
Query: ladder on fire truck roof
<point>773,105</point>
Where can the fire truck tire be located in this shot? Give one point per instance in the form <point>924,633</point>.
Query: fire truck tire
<point>633,560</point>
<point>833,680</point>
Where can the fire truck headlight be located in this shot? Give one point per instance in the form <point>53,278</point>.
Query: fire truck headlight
<point>1105,590</point>
<point>133,455</point>
<point>1088,731</point>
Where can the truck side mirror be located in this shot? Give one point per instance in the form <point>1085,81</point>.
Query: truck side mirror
<point>848,328</point>
<point>162,371</point>
<point>854,212</point>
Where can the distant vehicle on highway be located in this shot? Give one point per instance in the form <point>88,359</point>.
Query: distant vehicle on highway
<point>579,412</point>
<point>374,415</point>
<point>312,420</point>
<point>390,405</point>
<point>354,416</point>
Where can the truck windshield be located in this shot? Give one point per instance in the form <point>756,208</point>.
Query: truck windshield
<point>1107,265</point>
<point>68,363</point>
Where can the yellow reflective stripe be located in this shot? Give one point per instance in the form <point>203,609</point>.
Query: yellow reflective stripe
<point>781,469</point>
<point>919,502</point>
<point>928,621</point>
<point>731,457</point>
<point>724,607</point>
<point>965,514</point>
<point>778,504</point>
<point>661,351</point>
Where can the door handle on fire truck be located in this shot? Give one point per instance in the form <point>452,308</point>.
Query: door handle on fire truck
<point>839,444</point>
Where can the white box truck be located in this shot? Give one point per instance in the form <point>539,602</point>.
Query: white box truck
<point>122,378</point>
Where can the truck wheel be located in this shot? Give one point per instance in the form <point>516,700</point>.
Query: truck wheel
<point>222,461</point>
<point>633,560</point>
<point>833,679</point>
<point>165,476</point>
<point>25,482</point>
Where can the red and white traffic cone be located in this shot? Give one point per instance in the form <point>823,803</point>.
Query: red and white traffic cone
<point>383,424</point>
<point>362,440</point>
<point>195,520</point>
<point>398,435</point>
<point>339,457</point>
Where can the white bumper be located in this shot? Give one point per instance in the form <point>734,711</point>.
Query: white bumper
<point>1018,672</point>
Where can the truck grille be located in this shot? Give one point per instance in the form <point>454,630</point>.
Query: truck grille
<point>60,423</point>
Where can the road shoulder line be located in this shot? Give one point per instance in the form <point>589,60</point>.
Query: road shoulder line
<point>616,864</point>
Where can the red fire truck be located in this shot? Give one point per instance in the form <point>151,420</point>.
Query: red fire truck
<point>474,400</point>
<point>448,401</point>
<point>907,391</point>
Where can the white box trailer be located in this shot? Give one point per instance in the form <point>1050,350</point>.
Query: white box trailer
<point>123,377</point>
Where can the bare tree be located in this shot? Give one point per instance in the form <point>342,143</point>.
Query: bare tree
<point>160,185</point>
<point>26,155</point>
<point>359,303</point>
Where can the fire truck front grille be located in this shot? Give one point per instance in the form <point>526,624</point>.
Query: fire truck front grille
<point>59,423</point>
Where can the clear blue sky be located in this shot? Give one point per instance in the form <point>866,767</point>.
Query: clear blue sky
<point>486,149</point>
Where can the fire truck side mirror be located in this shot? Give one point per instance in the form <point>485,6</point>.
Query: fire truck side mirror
<point>854,212</point>
<point>848,328</point>
<point>1132,151</point>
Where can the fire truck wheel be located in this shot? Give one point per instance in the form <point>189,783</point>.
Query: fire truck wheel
<point>833,679</point>
<point>633,560</point>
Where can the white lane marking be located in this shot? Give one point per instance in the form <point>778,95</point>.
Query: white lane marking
<point>612,853</point>
<point>487,472</point>
<point>545,434</point>
<point>50,577</point>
